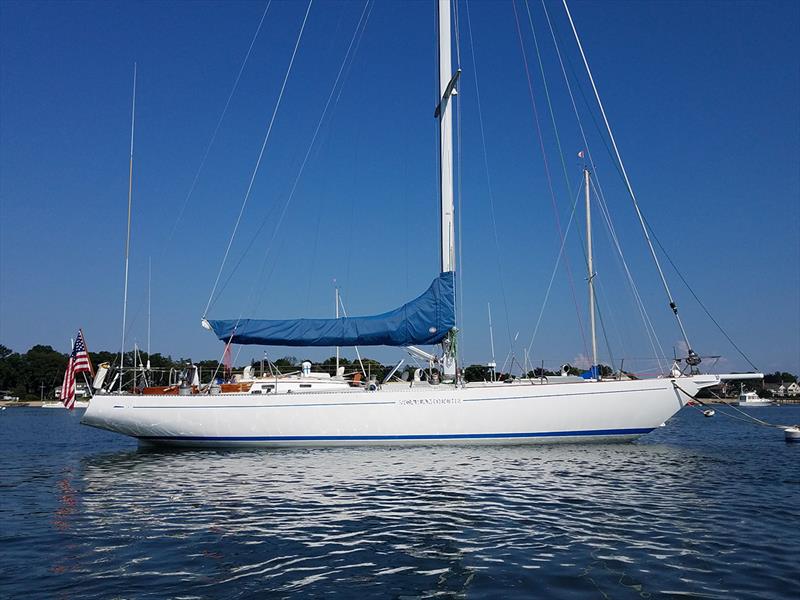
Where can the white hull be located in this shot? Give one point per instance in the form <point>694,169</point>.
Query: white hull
<point>753,403</point>
<point>400,414</point>
<point>751,399</point>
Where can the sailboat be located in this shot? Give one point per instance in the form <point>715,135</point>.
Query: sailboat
<point>443,410</point>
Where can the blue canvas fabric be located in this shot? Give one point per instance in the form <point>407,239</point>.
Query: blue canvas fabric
<point>592,373</point>
<point>425,320</point>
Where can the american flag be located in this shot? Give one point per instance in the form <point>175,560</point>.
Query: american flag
<point>78,362</point>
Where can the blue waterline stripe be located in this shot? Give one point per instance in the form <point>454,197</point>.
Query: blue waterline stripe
<point>433,436</point>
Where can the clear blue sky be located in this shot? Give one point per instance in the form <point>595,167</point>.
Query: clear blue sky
<point>703,98</point>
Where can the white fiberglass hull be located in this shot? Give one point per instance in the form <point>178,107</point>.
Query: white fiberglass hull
<point>400,414</point>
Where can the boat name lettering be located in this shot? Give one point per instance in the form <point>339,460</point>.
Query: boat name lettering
<point>428,401</point>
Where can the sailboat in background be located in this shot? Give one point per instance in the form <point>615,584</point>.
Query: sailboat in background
<point>560,408</point>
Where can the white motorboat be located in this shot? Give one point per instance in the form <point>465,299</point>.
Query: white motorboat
<point>286,413</point>
<point>752,399</point>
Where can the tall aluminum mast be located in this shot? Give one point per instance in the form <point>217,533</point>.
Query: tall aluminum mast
<point>590,266</point>
<point>447,88</point>
<point>336,301</point>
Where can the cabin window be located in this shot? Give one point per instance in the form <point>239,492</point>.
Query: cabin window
<point>305,385</point>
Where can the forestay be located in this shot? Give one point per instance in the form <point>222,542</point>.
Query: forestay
<point>425,320</point>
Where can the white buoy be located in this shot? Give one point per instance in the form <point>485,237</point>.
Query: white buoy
<point>709,413</point>
<point>792,433</point>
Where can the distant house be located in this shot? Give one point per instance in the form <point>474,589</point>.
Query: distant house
<point>789,390</point>
<point>785,389</point>
<point>81,391</point>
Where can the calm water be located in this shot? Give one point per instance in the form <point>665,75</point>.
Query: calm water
<point>702,508</point>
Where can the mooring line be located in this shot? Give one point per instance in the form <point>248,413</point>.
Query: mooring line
<point>749,417</point>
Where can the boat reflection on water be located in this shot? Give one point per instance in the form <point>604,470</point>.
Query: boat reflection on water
<point>414,520</point>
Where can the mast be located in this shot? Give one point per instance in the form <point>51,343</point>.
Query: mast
<point>149,288</point>
<point>447,88</point>
<point>128,238</point>
<point>336,299</point>
<point>590,266</point>
<point>447,82</point>
<point>693,359</point>
<point>493,364</point>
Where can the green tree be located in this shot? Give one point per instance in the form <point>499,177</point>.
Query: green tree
<point>98,358</point>
<point>780,377</point>
<point>41,365</point>
<point>477,373</point>
<point>10,369</point>
<point>375,369</point>
<point>286,361</point>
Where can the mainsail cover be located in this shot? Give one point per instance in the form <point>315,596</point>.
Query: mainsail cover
<point>425,320</point>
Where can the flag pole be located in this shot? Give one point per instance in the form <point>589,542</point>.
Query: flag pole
<point>91,367</point>
<point>85,345</point>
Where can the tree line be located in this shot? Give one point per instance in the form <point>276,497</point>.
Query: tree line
<point>40,371</point>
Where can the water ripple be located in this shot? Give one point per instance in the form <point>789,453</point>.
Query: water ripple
<point>697,509</point>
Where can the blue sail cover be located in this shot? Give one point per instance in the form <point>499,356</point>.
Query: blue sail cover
<point>425,320</point>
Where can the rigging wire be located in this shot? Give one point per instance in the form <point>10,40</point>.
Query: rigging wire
<point>216,128</point>
<point>196,178</point>
<point>488,175</point>
<point>547,171</point>
<point>648,326</point>
<point>258,161</point>
<point>619,171</point>
<point>252,294</point>
<point>692,359</point>
<point>561,154</point>
<point>128,238</point>
<point>703,306</point>
<point>655,343</point>
<point>605,334</point>
<point>604,301</point>
<point>555,270</point>
<point>547,95</point>
<point>750,418</point>
<point>300,172</point>
<point>358,354</point>
<point>265,220</point>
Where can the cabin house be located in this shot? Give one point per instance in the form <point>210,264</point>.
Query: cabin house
<point>784,389</point>
<point>82,391</point>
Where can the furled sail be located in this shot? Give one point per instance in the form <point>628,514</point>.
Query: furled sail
<point>425,320</point>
